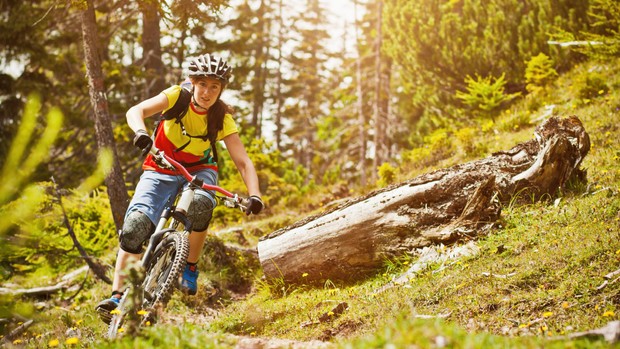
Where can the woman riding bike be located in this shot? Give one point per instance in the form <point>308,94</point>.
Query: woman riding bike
<point>190,138</point>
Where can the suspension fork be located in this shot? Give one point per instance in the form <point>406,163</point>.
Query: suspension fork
<point>179,215</point>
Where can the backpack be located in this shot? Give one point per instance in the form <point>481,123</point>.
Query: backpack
<point>177,112</point>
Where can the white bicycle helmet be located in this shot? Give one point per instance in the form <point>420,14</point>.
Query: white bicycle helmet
<point>208,65</point>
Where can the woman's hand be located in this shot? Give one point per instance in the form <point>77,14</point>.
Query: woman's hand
<point>255,205</point>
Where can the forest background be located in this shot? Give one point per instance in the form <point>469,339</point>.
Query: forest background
<point>412,84</point>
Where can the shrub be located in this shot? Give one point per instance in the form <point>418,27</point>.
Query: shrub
<point>591,85</point>
<point>437,146</point>
<point>387,174</point>
<point>469,142</point>
<point>485,96</point>
<point>539,73</point>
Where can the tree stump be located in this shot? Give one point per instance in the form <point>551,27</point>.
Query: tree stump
<point>444,206</point>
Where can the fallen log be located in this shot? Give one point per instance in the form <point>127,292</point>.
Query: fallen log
<point>44,291</point>
<point>444,206</point>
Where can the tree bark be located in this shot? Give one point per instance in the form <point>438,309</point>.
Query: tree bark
<point>117,192</point>
<point>443,206</point>
<point>151,48</point>
<point>279,95</point>
<point>379,117</point>
<point>360,100</point>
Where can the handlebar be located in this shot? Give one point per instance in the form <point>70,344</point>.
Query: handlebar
<point>230,200</point>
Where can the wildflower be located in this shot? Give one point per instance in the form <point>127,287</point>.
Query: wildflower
<point>600,92</point>
<point>142,312</point>
<point>71,341</point>
<point>565,305</point>
<point>115,311</point>
<point>121,330</point>
<point>304,275</point>
<point>609,313</point>
<point>524,325</point>
<point>53,343</point>
<point>331,313</point>
<point>17,341</point>
<point>148,323</point>
<point>547,314</point>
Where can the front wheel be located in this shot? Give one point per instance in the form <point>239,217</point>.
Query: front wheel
<point>163,270</point>
<point>119,314</point>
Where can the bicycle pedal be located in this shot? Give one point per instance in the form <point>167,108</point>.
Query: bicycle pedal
<point>104,315</point>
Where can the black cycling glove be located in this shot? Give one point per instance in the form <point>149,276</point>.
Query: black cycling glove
<point>143,141</point>
<point>255,205</point>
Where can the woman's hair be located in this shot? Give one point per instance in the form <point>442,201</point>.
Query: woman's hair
<point>215,118</point>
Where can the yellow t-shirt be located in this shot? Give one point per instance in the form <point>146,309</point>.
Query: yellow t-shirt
<point>185,149</point>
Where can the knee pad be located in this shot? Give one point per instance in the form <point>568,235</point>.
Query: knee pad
<point>200,212</point>
<point>136,229</point>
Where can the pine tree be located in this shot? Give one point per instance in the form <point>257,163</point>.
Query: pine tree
<point>308,66</point>
<point>439,43</point>
<point>254,39</point>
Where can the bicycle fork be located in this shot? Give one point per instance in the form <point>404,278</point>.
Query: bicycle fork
<point>178,213</point>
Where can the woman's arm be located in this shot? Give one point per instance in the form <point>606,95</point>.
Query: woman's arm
<point>147,108</point>
<point>242,161</point>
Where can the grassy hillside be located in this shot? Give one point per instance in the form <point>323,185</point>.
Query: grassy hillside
<point>532,281</point>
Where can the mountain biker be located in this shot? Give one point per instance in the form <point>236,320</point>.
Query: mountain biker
<point>189,139</point>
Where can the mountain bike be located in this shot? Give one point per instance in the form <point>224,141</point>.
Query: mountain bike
<point>166,254</point>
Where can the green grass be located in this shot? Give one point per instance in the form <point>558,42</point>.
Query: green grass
<point>534,280</point>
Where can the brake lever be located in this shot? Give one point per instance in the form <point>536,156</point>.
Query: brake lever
<point>235,202</point>
<point>161,161</point>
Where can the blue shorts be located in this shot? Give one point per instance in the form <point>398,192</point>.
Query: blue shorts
<point>156,191</point>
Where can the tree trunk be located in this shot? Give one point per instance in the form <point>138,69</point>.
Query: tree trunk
<point>379,136</point>
<point>443,206</point>
<point>117,192</point>
<point>151,48</point>
<point>279,81</point>
<point>360,101</point>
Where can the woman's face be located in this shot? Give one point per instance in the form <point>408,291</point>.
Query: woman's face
<point>206,91</point>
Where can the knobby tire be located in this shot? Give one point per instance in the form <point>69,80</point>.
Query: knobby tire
<point>162,274</point>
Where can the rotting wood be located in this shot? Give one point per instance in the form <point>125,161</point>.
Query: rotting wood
<point>444,206</point>
<point>45,290</point>
<point>609,332</point>
<point>18,331</point>
<point>612,274</point>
